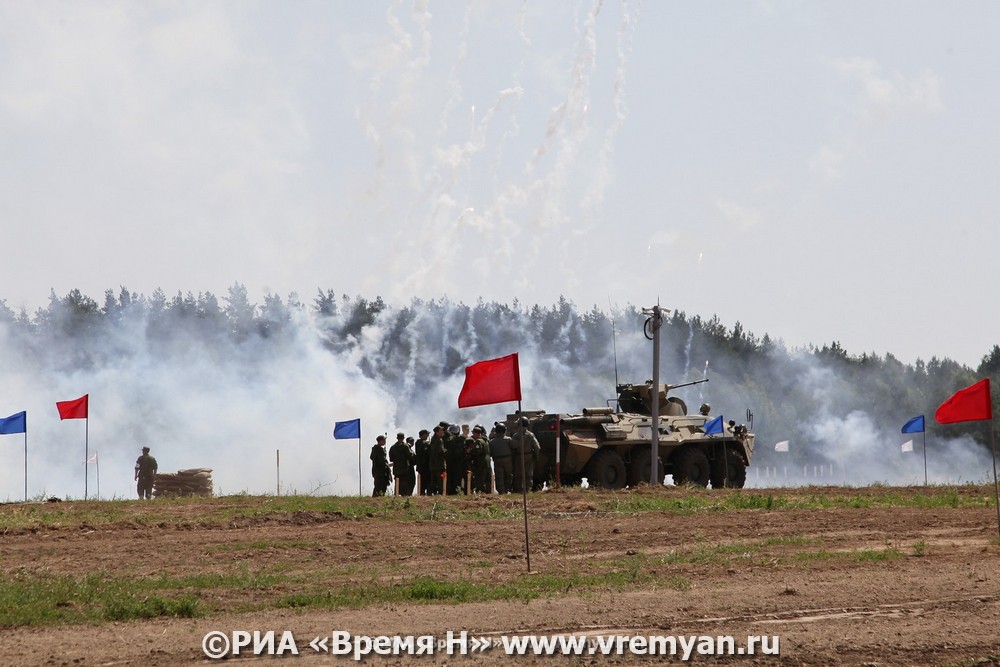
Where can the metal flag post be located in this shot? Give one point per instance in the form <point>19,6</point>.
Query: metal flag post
<point>86,453</point>
<point>524,492</point>
<point>923,437</point>
<point>996,488</point>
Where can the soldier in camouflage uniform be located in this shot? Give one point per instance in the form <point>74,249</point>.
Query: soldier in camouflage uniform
<point>481,473</point>
<point>500,450</point>
<point>531,451</point>
<point>145,471</point>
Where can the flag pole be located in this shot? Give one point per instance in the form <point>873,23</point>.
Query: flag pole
<point>996,488</point>
<point>86,454</point>
<point>360,494</point>
<point>97,465</point>
<point>524,492</point>
<point>923,435</point>
<point>277,472</point>
<point>25,462</point>
<point>558,450</point>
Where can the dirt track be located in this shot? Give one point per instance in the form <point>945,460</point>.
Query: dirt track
<point>847,586</point>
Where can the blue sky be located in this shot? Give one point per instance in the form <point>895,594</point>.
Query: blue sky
<point>818,171</point>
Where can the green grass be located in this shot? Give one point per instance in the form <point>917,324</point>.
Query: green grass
<point>193,512</point>
<point>430,590</point>
<point>93,598</point>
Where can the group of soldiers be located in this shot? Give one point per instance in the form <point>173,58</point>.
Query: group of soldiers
<point>455,460</point>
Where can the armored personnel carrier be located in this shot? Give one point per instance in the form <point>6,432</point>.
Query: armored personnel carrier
<point>611,447</point>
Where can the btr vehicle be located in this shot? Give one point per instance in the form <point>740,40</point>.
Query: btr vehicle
<point>611,447</point>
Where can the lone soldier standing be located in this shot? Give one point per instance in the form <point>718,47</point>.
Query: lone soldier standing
<point>380,467</point>
<point>145,470</point>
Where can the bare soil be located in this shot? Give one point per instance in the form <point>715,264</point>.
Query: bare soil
<point>815,578</point>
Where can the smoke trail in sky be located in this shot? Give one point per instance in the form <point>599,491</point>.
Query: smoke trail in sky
<point>445,165</point>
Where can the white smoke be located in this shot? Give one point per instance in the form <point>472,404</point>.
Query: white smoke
<point>223,407</point>
<point>854,446</point>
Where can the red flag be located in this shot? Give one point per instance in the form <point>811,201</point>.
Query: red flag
<point>76,409</point>
<point>970,404</point>
<point>491,381</point>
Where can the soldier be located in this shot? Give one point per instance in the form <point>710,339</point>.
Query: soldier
<point>481,461</point>
<point>421,450</point>
<point>145,471</point>
<point>500,450</point>
<point>531,451</point>
<point>456,459</point>
<point>402,465</point>
<point>436,461</point>
<point>381,473</point>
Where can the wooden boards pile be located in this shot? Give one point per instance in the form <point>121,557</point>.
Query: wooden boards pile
<point>190,482</point>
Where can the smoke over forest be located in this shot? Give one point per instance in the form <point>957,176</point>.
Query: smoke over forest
<point>225,383</point>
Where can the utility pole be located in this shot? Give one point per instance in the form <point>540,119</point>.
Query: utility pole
<point>652,331</point>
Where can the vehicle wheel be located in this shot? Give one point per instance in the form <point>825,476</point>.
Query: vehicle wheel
<point>638,466</point>
<point>691,467</point>
<point>606,470</point>
<point>735,477</point>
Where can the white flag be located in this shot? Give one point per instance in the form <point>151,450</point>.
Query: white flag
<point>907,446</point>
<point>92,458</point>
<point>781,446</point>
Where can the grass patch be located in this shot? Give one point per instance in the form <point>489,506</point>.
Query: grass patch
<point>194,512</point>
<point>875,555</point>
<point>54,600</point>
<point>28,599</point>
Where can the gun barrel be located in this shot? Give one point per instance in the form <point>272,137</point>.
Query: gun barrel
<point>686,384</point>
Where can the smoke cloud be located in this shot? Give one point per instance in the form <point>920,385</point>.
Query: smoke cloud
<point>227,386</point>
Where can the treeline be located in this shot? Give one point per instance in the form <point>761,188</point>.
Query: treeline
<point>802,395</point>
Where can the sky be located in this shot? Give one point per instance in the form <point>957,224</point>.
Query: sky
<point>817,171</point>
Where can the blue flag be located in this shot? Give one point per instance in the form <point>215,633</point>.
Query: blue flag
<point>14,424</point>
<point>714,427</point>
<point>347,430</point>
<point>915,425</point>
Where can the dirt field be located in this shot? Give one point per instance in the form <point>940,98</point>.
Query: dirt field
<point>854,583</point>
